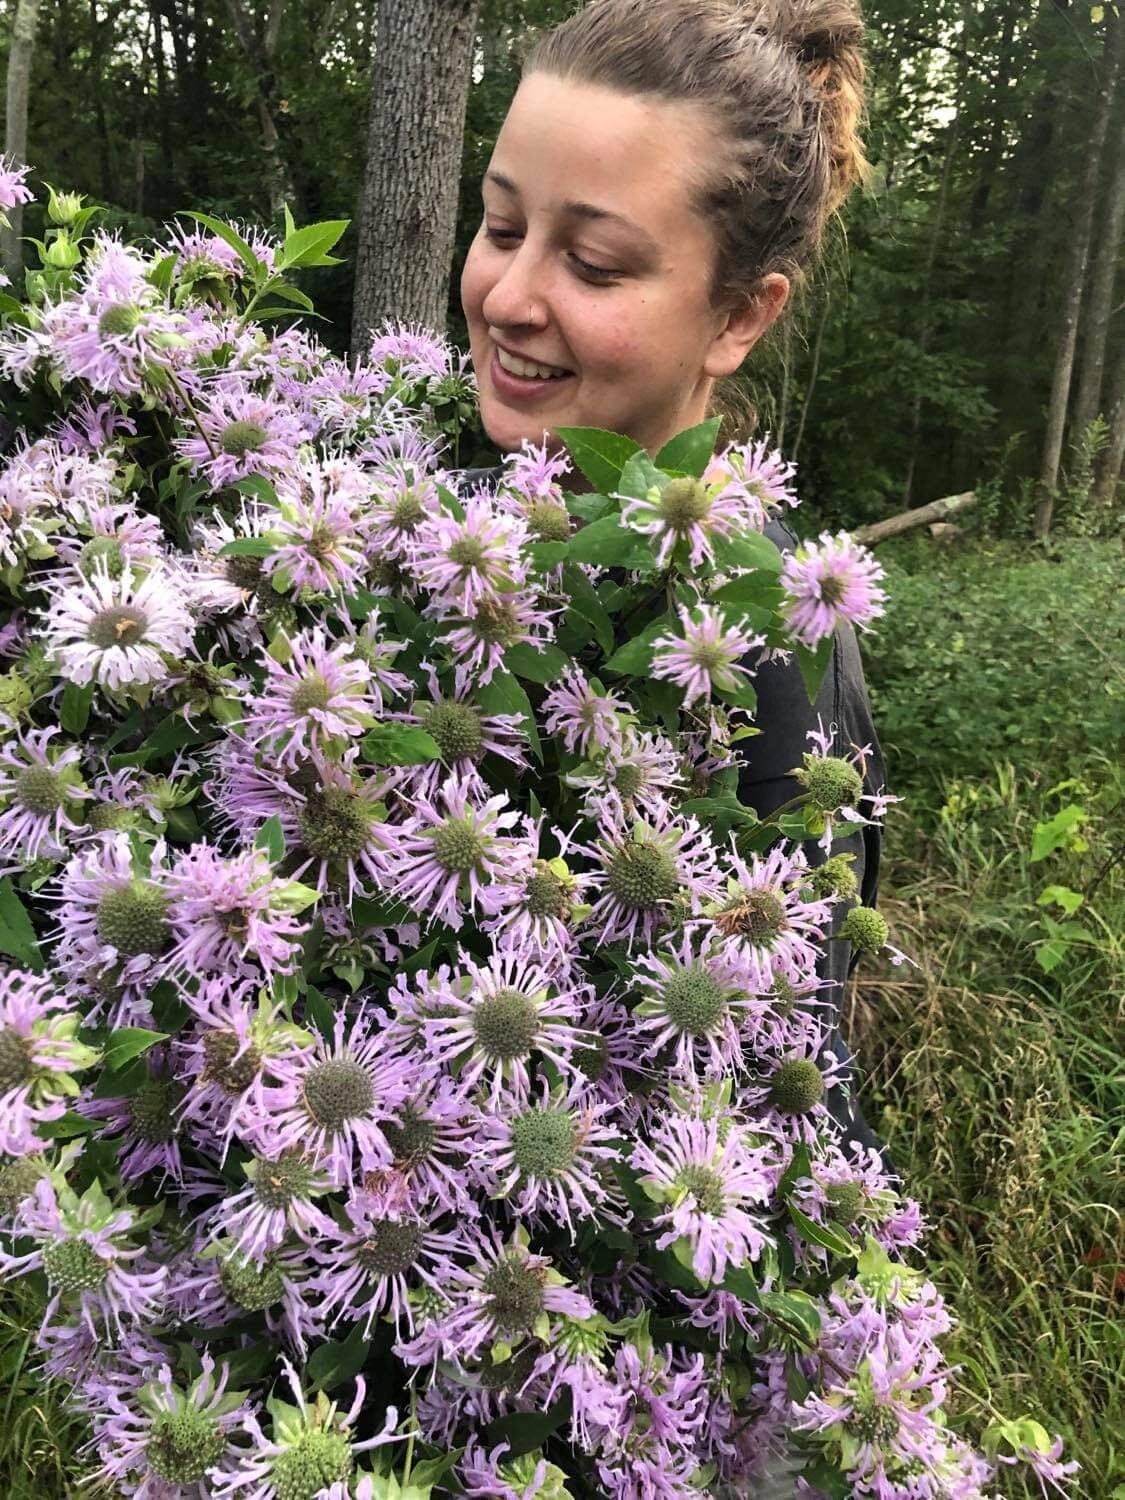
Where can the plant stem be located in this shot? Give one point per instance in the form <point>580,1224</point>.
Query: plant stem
<point>186,399</point>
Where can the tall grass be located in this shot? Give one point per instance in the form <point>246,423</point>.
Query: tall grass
<point>39,1435</point>
<point>1001,1092</point>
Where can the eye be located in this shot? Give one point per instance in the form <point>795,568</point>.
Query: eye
<point>501,234</point>
<point>599,275</point>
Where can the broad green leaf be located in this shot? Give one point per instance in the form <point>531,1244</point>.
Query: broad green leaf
<point>796,1313</point>
<point>129,1042</point>
<point>758,587</point>
<point>545,666</point>
<point>589,506</point>
<point>258,487</point>
<point>691,451</point>
<point>639,476</point>
<point>719,813</point>
<point>74,708</point>
<point>527,1430</point>
<point>750,549</point>
<point>1061,895</point>
<point>399,745</point>
<point>600,455</point>
<point>584,601</point>
<point>821,1234</point>
<point>17,935</point>
<point>503,694</point>
<point>814,664</point>
<point>545,555</point>
<point>248,546</point>
<point>635,656</point>
<point>609,543</point>
<point>1057,832</point>
<point>339,1360</point>
<point>271,838</point>
<point>310,246</point>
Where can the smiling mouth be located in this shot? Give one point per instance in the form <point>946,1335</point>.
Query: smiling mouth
<point>526,369</point>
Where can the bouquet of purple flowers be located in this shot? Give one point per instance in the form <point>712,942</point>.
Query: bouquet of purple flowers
<point>412,1064</point>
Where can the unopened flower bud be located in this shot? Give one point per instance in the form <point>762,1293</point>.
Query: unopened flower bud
<point>835,878</point>
<point>63,208</point>
<point>831,782</point>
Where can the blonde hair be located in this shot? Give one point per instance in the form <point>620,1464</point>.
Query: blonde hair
<point>783,82</point>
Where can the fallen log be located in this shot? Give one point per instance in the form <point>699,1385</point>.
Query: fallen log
<point>907,520</point>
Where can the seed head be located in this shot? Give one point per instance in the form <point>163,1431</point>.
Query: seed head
<point>865,929</point>
<point>506,1024</point>
<point>134,919</point>
<point>457,729</point>
<point>544,1142</point>
<point>390,1248</point>
<point>317,1460</point>
<point>336,1090</point>
<point>694,1000</point>
<point>240,438</point>
<point>831,782</point>
<point>184,1444</point>
<point>798,1086</point>
<point>514,1289</point>
<point>73,1265</point>
<point>643,876</point>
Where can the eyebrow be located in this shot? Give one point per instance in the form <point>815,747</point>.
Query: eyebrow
<point>578,210</point>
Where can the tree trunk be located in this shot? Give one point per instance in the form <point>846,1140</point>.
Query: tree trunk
<point>909,520</point>
<point>1074,279</point>
<point>813,372</point>
<point>1112,455</point>
<point>261,55</point>
<point>21,50</point>
<point>1000,106</point>
<point>419,89</point>
<point>1088,401</point>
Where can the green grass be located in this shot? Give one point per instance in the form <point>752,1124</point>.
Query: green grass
<point>39,1436</point>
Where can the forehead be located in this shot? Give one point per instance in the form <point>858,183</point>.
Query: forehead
<point>630,154</point>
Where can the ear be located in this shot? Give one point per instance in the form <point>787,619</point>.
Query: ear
<point>744,325</point>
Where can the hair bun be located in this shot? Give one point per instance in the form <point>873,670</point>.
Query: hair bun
<point>818,31</point>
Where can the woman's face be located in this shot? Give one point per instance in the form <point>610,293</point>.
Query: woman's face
<point>590,260</point>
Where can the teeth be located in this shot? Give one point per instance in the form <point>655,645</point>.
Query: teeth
<point>529,371</point>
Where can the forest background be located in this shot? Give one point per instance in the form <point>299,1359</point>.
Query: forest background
<point>965,335</point>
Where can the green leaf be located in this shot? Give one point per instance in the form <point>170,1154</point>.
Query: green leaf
<point>319,1012</point>
<point>534,665</point>
<point>234,240</point>
<point>690,452</point>
<point>271,838</point>
<point>258,487</point>
<point>17,935</point>
<point>310,246</point>
<point>129,1042</point>
<point>742,1284</point>
<point>384,911</point>
<point>639,476</point>
<point>719,813</point>
<point>1057,832</point>
<point>66,1127</point>
<point>504,695</point>
<point>248,546</point>
<point>589,506</point>
<point>399,745</point>
<point>758,587</point>
<point>584,601</point>
<point>820,1234</point>
<point>814,664</point>
<point>339,1360</point>
<point>609,543</point>
<point>600,455</point>
<point>546,555</point>
<point>171,734</point>
<point>74,709</point>
<point>636,655</point>
<point>796,1313</point>
<point>751,549</point>
<point>800,1166</point>
<point>1061,895</point>
<point>527,1430</point>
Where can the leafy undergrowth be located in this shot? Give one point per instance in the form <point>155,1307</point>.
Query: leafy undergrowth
<point>1000,1089</point>
<point>39,1435</point>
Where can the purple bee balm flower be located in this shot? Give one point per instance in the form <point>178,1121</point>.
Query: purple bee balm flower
<point>487,1475</point>
<point>147,1124</point>
<point>331,1104</point>
<point>116,327</point>
<point>200,251</point>
<point>43,793</point>
<point>836,784</point>
<point>39,1055</point>
<point>534,906</point>
<point>638,774</point>
<point>788,1095</point>
<point>120,632</point>
<point>649,1454</point>
<point>370,1263</point>
<point>343,403</point>
<point>768,918</point>
<point>449,851</point>
<point>465,734</point>
<point>320,528</point>
<point>649,877</point>
<point>757,476</point>
<point>535,473</point>
<point>708,1182</point>
<point>115,534</point>
<point>496,1017</point>
<point>311,1448</point>
<point>690,515</point>
<point>497,623</point>
<point>505,1298</point>
<point>707,657</point>
<point>1043,1461</point>
<point>695,1001</point>
<point>216,1285</point>
<point>86,428</point>
<point>430,1136</point>
<point>320,695</point>
<point>588,719</point>
<point>13,187</point>
<point>160,1439</point>
<point>113,915</point>
<point>235,433</point>
<point>835,580</point>
<point>232,916</point>
<point>377,651</point>
<point>404,497</point>
<point>277,1203</point>
<point>410,350</point>
<point>550,1160</point>
<point>468,562</point>
<point>83,1247</point>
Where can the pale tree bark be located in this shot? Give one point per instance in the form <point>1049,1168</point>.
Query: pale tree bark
<point>1074,279</point>
<point>261,55</point>
<point>1096,317</point>
<point>21,51</point>
<point>419,89</point>
<point>1113,454</point>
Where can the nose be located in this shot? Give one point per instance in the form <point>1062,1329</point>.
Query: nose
<point>517,299</point>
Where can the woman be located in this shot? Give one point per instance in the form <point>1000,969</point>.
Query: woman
<point>663,177</point>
